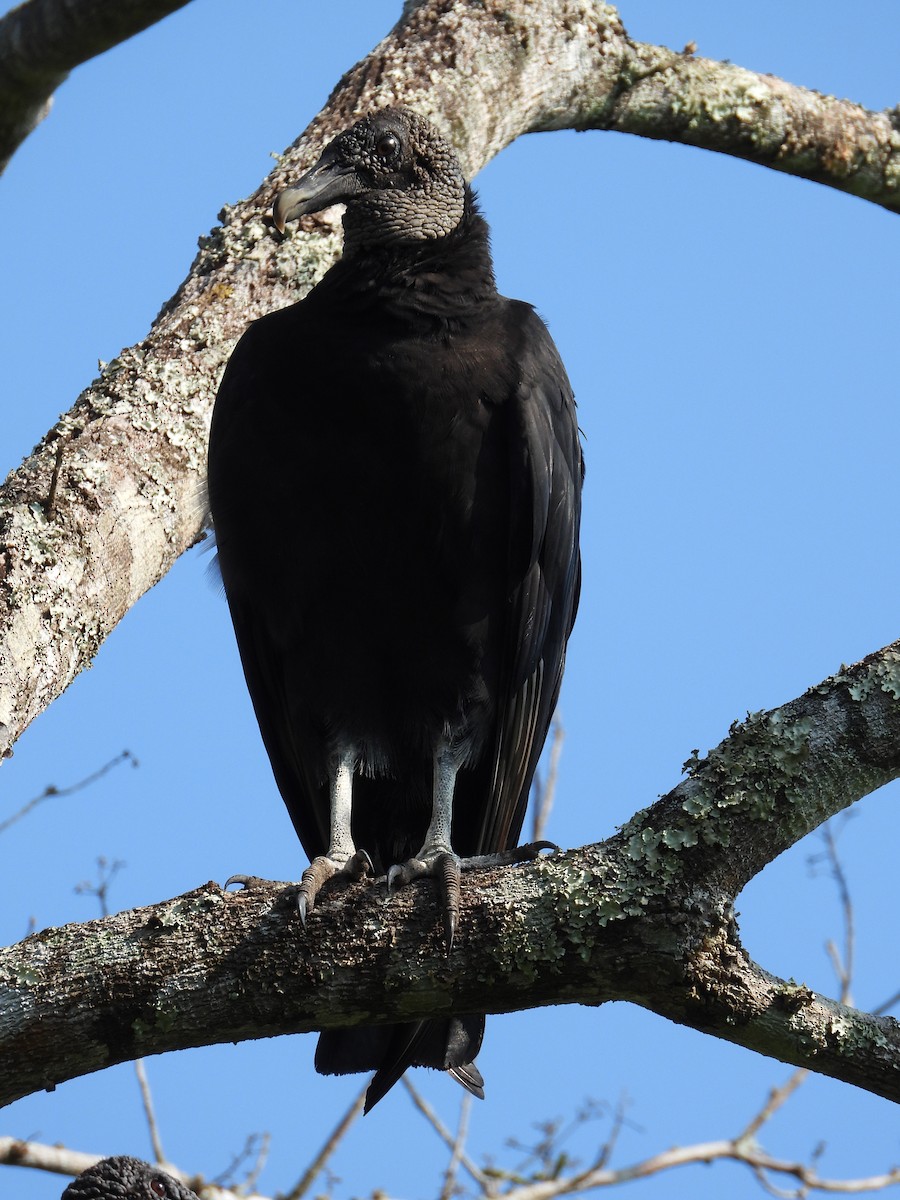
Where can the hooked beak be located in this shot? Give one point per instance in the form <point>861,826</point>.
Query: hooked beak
<point>329,182</point>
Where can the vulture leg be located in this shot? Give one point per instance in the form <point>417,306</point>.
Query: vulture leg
<point>436,858</point>
<point>342,857</point>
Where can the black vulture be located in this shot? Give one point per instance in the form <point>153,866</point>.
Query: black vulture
<point>395,486</point>
<point>126,1178</point>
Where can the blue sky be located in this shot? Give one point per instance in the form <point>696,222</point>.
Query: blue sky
<point>731,337</point>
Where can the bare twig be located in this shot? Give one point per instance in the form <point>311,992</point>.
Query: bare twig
<point>483,1180</point>
<point>703,1152</point>
<point>449,1188</point>
<point>777,1098</point>
<point>257,1146</point>
<point>606,1150</point>
<point>331,1144</point>
<point>51,790</point>
<point>106,873</point>
<point>887,1005</point>
<point>147,1101</point>
<point>61,1161</point>
<point>843,965</point>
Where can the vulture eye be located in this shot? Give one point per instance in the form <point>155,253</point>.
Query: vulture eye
<point>387,147</point>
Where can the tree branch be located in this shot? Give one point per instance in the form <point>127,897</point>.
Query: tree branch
<point>110,498</point>
<point>646,916</point>
<point>41,41</point>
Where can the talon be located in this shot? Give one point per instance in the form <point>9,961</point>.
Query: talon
<point>508,858</point>
<point>532,850</point>
<point>446,868</point>
<point>404,873</point>
<point>245,881</point>
<point>319,871</point>
<point>359,865</point>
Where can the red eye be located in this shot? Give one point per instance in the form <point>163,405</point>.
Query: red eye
<point>157,1187</point>
<point>387,147</point>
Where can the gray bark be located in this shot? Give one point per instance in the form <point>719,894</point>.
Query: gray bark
<point>647,916</point>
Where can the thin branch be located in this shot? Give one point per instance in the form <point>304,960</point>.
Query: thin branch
<point>778,1097</point>
<point>483,1180</point>
<point>59,1160</point>
<point>887,1005</point>
<point>51,791</point>
<point>843,964</point>
<point>448,1190</point>
<point>106,873</point>
<point>256,1145</point>
<point>149,1112</point>
<point>706,1153</point>
<point>332,1142</point>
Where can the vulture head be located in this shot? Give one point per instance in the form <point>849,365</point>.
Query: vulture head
<point>126,1178</point>
<point>399,178</point>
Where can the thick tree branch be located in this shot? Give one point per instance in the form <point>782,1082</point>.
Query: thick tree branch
<point>111,497</point>
<point>646,916</point>
<point>722,107</point>
<point>41,41</point>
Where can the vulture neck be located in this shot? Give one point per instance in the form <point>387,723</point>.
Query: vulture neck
<point>441,282</point>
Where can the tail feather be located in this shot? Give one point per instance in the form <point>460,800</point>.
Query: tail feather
<point>471,1078</point>
<point>449,1045</point>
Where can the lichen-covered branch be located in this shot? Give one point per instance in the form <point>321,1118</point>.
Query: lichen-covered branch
<point>113,494</point>
<point>776,777</point>
<point>646,916</point>
<point>41,41</point>
<point>206,968</point>
<point>722,107</point>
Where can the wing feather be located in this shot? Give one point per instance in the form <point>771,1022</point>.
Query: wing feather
<point>546,469</point>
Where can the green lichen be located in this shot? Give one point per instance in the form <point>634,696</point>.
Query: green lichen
<point>26,977</point>
<point>883,675</point>
<point>185,908</point>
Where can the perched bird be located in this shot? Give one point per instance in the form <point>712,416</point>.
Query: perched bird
<point>126,1178</point>
<point>395,485</point>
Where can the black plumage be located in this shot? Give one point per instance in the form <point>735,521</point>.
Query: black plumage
<point>126,1178</point>
<point>395,480</point>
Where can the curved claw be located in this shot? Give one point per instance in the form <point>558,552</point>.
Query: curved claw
<point>318,872</point>
<point>446,869</point>
<point>359,865</point>
<point>245,881</point>
<point>404,873</point>
<point>532,850</point>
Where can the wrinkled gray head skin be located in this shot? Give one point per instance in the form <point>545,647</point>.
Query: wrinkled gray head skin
<point>399,178</point>
<point>126,1178</point>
